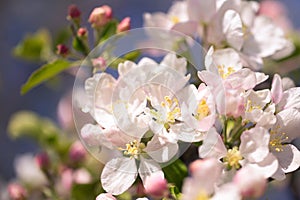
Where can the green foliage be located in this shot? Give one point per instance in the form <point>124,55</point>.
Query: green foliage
<point>34,47</point>
<point>108,30</point>
<point>176,172</point>
<point>84,191</point>
<point>44,73</point>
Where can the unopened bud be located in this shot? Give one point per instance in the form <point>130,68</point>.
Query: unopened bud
<point>16,192</point>
<point>124,25</point>
<point>73,12</point>
<point>82,32</point>
<point>42,160</point>
<point>100,16</point>
<point>77,152</point>
<point>156,186</point>
<point>99,63</point>
<point>62,50</point>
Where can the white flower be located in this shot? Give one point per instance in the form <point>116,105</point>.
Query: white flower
<point>253,151</point>
<point>28,171</point>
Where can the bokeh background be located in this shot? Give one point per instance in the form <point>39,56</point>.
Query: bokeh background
<point>19,17</point>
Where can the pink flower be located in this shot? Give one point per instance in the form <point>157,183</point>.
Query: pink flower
<point>156,186</point>
<point>16,192</point>
<point>124,25</point>
<point>42,160</point>
<point>82,32</point>
<point>100,16</point>
<point>73,12</point>
<point>99,63</point>
<point>77,152</point>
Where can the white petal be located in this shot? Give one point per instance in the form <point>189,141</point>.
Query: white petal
<point>232,28</point>
<point>267,167</point>
<point>201,11</point>
<point>289,123</point>
<point>149,167</point>
<point>179,64</point>
<point>118,175</point>
<point>255,144</point>
<point>188,28</point>
<point>212,146</point>
<point>290,99</point>
<point>289,158</point>
<point>276,89</point>
<point>125,67</point>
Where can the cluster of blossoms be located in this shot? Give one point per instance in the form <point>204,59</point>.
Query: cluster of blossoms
<point>143,116</point>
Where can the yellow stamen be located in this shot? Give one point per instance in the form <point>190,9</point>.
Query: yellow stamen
<point>175,19</point>
<point>277,139</point>
<point>250,106</point>
<point>202,195</point>
<point>202,110</point>
<point>133,149</point>
<point>233,157</point>
<point>222,72</point>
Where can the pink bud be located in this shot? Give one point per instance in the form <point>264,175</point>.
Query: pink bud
<point>73,12</point>
<point>99,63</point>
<point>82,32</point>
<point>100,16</point>
<point>62,50</point>
<point>250,182</point>
<point>42,160</point>
<point>156,186</point>
<point>16,192</point>
<point>77,152</point>
<point>82,176</point>
<point>211,166</point>
<point>124,25</point>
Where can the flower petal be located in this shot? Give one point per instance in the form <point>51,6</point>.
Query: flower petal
<point>118,175</point>
<point>149,167</point>
<point>289,158</point>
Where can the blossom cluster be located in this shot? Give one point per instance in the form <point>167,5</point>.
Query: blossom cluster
<point>145,114</point>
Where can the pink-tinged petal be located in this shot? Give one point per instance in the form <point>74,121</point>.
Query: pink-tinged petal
<point>227,58</point>
<point>210,78</point>
<point>287,83</point>
<point>248,12</point>
<point>212,146</point>
<point>254,62</point>
<point>125,67</point>
<point>200,168</point>
<point>289,123</point>
<point>188,28</point>
<point>267,167</point>
<point>209,61</point>
<point>201,11</point>
<point>255,144</point>
<point>290,99</point>
<point>93,135</point>
<point>260,77</point>
<point>158,19</point>
<point>227,191</point>
<point>288,158</point>
<point>161,150</point>
<point>105,196</point>
<point>179,64</point>
<point>242,79</point>
<point>232,28</point>
<point>118,175</point>
<point>276,89</point>
<point>149,167</point>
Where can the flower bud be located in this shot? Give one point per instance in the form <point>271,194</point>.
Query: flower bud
<point>82,176</point>
<point>211,166</point>
<point>100,16</point>
<point>124,25</point>
<point>62,50</point>
<point>16,192</point>
<point>73,12</point>
<point>77,152</point>
<point>250,182</point>
<point>82,32</point>
<point>156,186</point>
<point>99,63</point>
<point>42,160</point>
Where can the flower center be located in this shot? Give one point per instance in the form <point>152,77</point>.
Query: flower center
<point>233,157</point>
<point>202,195</point>
<point>172,107</point>
<point>202,110</point>
<point>133,149</point>
<point>223,73</point>
<point>250,106</point>
<point>277,139</point>
<point>175,19</point>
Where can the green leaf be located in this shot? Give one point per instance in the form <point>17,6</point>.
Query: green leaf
<point>83,191</point>
<point>34,47</point>
<point>176,172</point>
<point>79,45</point>
<point>44,73</point>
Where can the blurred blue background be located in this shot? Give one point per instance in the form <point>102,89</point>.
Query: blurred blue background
<point>27,16</point>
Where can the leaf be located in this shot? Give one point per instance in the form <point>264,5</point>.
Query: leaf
<point>176,172</point>
<point>83,191</point>
<point>34,47</point>
<point>79,45</point>
<point>44,73</point>
<point>108,30</point>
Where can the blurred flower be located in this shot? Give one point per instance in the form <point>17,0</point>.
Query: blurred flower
<point>156,186</point>
<point>16,192</point>
<point>100,16</point>
<point>42,160</point>
<point>105,196</point>
<point>64,112</point>
<point>99,63</point>
<point>62,50</point>
<point>73,12</point>
<point>82,176</point>
<point>82,32</point>
<point>29,172</point>
<point>124,25</point>
<point>77,152</point>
